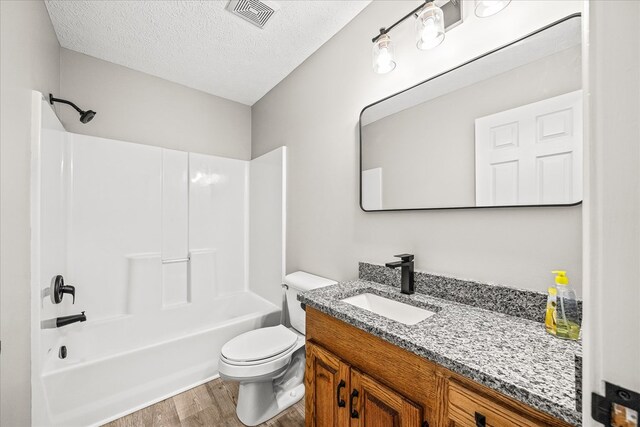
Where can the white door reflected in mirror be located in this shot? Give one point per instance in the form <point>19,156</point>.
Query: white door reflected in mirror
<point>531,155</point>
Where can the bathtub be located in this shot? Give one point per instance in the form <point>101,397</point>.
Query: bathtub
<point>105,377</point>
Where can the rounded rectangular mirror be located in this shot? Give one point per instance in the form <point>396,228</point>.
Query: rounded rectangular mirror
<point>504,129</point>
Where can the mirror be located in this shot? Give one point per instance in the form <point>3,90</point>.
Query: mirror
<point>504,129</point>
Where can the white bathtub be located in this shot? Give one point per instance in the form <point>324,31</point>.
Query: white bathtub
<point>96,384</point>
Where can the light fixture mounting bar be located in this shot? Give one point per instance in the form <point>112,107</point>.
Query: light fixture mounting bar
<point>385,30</point>
<point>452,13</point>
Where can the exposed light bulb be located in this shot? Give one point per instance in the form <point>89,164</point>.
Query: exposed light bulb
<point>383,55</point>
<point>430,36</point>
<point>429,27</point>
<point>486,8</point>
<point>385,61</point>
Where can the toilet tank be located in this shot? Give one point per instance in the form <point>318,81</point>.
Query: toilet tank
<point>300,282</point>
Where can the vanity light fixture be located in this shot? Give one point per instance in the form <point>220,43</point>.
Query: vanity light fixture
<point>433,18</point>
<point>486,8</point>
<point>430,27</point>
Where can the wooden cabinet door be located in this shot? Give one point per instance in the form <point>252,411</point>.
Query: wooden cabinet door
<point>375,405</point>
<point>327,388</point>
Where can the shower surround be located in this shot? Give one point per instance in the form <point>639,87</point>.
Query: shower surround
<point>156,243</point>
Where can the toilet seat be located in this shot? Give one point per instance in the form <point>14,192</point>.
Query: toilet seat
<point>259,345</point>
<point>256,362</point>
<point>271,366</point>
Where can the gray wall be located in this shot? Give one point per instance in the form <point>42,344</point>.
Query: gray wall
<point>314,112</point>
<point>29,59</point>
<point>137,107</point>
<point>434,142</point>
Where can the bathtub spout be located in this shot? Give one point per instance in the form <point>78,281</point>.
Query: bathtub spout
<point>67,320</point>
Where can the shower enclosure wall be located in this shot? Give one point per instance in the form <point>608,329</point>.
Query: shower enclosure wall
<point>156,243</point>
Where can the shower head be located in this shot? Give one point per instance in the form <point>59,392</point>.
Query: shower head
<point>85,116</point>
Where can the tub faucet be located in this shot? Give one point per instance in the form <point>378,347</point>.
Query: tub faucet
<point>67,320</point>
<point>58,322</point>
<point>407,285</point>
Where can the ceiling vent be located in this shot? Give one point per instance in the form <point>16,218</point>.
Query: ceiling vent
<point>255,11</point>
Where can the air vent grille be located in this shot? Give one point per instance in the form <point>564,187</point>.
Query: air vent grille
<point>255,11</point>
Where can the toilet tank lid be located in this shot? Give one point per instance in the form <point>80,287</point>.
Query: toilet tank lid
<point>303,281</point>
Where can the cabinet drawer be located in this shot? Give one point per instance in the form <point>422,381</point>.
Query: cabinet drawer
<point>469,409</point>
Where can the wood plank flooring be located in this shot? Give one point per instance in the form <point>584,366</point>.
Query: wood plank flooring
<point>211,404</point>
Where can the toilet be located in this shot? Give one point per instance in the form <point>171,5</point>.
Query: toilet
<point>269,362</point>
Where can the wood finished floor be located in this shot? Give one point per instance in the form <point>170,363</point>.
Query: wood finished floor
<point>211,404</point>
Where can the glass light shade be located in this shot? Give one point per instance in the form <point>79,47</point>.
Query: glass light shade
<point>429,27</point>
<point>383,55</point>
<point>485,8</point>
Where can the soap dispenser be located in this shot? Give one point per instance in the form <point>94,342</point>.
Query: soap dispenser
<point>567,316</point>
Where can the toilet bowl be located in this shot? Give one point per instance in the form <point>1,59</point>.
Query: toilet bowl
<point>269,362</point>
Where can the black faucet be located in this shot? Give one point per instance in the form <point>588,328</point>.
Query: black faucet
<point>67,320</point>
<point>407,285</point>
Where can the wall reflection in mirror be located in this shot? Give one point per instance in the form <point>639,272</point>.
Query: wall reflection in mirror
<point>502,130</point>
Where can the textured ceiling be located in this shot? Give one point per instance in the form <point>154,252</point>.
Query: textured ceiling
<point>199,43</point>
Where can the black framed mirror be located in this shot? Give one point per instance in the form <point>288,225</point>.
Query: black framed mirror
<point>501,130</point>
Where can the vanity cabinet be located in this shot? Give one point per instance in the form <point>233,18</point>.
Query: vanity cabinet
<point>348,369</point>
<point>340,395</point>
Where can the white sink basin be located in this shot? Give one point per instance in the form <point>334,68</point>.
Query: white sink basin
<point>391,309</point>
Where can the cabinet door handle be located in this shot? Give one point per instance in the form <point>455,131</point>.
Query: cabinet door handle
<point>341,402</point>
<point>481,420</point>
<point>354,413</point>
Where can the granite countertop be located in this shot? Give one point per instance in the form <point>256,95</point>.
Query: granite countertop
<point>512,355</point>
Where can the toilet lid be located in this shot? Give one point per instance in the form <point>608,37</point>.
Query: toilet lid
<point>259,344</point>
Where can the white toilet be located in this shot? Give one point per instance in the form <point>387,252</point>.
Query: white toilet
<point>269,362</point>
